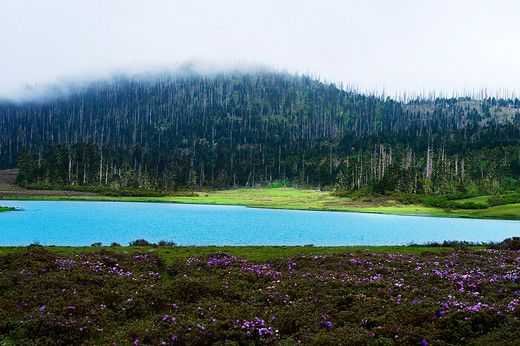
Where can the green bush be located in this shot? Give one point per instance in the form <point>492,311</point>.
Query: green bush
<point>166,243</point>
<point>495,200</point>
<point>405,198</point>
<point>342,192</point>
<point>443,202</point>
<point>503,199</point>
<point>470,205</point>
<point>512,198</point>
<point>509,244</point>
<point>140,242</point>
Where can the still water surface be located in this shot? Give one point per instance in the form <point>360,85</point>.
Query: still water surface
<point>84,223</point>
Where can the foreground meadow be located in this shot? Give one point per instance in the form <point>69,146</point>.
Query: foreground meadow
<point>119,297</point>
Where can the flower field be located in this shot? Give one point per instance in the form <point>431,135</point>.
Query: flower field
<point>108,297</point>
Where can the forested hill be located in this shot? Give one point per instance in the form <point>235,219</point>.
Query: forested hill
<point>249,129</point>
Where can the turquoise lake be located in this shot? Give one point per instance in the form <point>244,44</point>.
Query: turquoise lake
<point>83,223</point>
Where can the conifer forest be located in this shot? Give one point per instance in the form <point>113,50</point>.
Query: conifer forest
<point>247,129</point>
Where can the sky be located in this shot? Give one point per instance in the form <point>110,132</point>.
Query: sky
<point>391,46</point>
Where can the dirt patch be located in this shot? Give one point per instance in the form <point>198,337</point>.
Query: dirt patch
<point>359,203</point>
<point>356,204</point>
<point>7,187</point>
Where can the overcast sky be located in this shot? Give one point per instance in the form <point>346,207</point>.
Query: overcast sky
<point>414,46</point>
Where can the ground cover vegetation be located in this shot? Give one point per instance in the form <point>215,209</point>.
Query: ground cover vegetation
<point>138,135</point>
<point>131,295</point>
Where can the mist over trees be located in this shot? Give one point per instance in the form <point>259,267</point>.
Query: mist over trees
<point>225,130</point>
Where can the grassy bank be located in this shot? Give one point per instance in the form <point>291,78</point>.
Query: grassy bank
<point>269,295</point>
<point>288,198</point>
<point>6,209</point>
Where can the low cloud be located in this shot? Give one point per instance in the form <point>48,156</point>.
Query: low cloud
<point>66,86</point>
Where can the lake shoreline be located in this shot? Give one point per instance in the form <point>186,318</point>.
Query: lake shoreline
<point>260,198</point>
<point>274,207</point>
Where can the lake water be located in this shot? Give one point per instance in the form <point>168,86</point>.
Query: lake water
<point>84,223</point>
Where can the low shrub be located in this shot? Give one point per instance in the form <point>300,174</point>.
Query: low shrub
<point>494,201</point>
<point>504,199</point>
<point>436,201</point>
<point>470,205</point>
<point>404,198</point>
<point>508,243</point>
<point>447,243</point>
<point>443,202</point>
<point>457,195</point>
<point>342,192</point>
<point>166,243</point>
<point>140,242</point>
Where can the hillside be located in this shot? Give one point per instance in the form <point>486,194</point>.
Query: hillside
<point>172,131</point>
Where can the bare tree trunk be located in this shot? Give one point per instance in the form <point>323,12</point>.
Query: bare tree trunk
<point>100,169</point>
